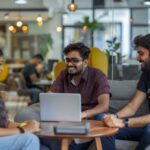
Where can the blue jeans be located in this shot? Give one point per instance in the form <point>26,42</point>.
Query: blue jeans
<point>108,143</point>
<point>34,94</point>
<point>25,141</point>
<point>136,134</point>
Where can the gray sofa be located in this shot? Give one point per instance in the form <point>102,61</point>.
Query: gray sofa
<point>122,92</point>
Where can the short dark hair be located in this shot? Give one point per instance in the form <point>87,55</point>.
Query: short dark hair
<point>80,47</point>
<point>1,53</point>
<point>38,56</point>
<point>143,41</point>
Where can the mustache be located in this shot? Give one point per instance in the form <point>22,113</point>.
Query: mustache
<point>71,66</point>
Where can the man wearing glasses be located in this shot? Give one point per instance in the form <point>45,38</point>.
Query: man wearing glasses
<point>91,83</point>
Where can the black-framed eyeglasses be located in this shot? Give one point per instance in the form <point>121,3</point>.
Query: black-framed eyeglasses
<point>73,60</point>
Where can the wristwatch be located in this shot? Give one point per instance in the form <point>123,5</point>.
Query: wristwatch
<point>21,129</point>
<point>126,122</point>
<point>116,116</point>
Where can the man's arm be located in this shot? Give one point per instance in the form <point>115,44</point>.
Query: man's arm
<point>102,106</point>
<point>139,121</point>
<point>129,110</point>
<point>135,122</point>
<point>30,126</point>
<point>33,78</point>
<point>133,105</point>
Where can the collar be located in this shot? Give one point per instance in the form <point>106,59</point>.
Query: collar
<point>84,75</point>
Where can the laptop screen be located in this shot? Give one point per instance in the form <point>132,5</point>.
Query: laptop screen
<point>60,107</point>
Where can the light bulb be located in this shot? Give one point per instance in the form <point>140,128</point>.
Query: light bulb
<point>24,28</point>
<point>59,29</point>
<point>11,28</point>
<point>19,23</point>
<point>72,7</point>
<point>39,19</point>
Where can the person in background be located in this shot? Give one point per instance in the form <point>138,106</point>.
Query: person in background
<point>136,128</point>
<point>31,73</point>
<point>14,136</point>
<point>91,83</point>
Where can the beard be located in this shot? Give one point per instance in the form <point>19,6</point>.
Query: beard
<point>76,72</point>
<point>146,65</point>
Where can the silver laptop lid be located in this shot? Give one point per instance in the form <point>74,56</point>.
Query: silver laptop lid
<point>60,107</point>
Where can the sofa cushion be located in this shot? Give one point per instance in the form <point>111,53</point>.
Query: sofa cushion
<point>122,92</point>
<point>125,144</point>
<point>122,89</point>
<point>120,145</point>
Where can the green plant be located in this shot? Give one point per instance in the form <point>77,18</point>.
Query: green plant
<point>46,43</point>
<point>113,49</point>
<point>92,25</point>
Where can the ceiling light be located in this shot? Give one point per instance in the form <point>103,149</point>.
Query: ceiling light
<point>59,29</point>
<point>11,28</point>
<point>21,1</point>
<point>72,6</point>
<point>146,2</point>
<point>19,23</point>
<point>39,19</point>
<point>25,28</point>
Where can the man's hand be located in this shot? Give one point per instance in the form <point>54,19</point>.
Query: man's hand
<point>84,115</point>
<point>113,121</point>
<point>31,126</point>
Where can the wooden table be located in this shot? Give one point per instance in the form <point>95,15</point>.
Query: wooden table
<point>97,131</point>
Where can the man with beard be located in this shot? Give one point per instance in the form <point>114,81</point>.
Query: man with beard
<point>91,83</point>
<point>136,128</point>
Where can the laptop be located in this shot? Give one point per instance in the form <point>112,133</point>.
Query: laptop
<point>60,107</point>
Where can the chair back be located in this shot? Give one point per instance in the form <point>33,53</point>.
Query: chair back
<point>58,68</point>
<point>98,59</point>
<point>4,73</point>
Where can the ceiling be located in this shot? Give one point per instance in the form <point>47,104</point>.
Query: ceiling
<point>47,8</point>
<point>28,11</point>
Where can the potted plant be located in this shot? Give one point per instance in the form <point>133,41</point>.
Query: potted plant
<point>92,25</point>
<point>113,53</point>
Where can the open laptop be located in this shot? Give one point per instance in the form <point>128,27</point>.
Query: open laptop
<point>60,107</point>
